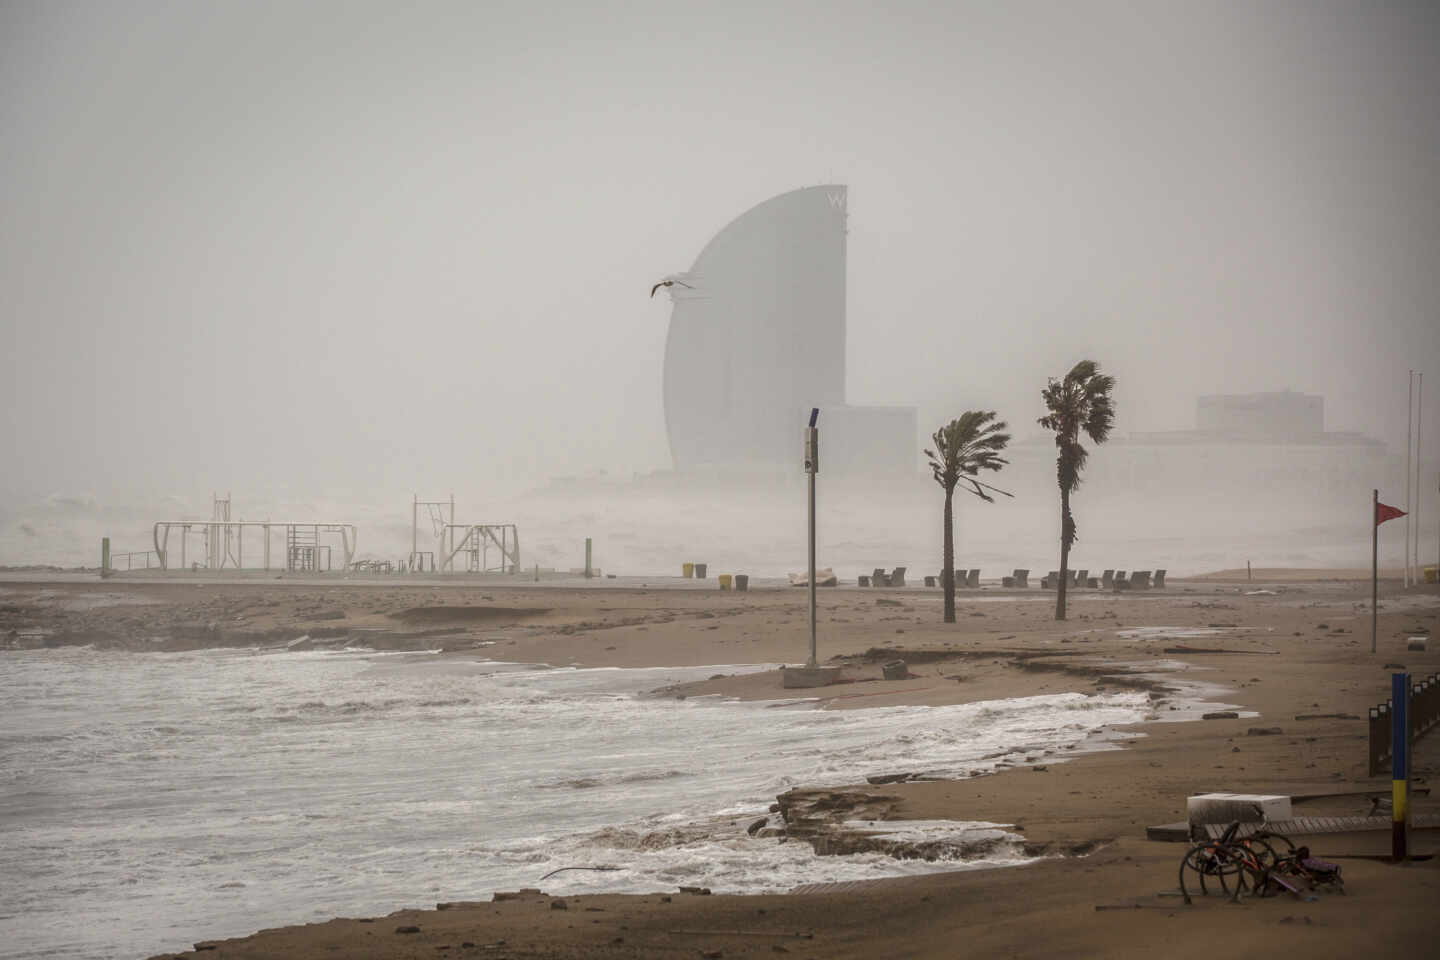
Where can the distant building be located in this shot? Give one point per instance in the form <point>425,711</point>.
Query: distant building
<point>1244,445</point>
<point>1262,416</point>
<point>757,338</point>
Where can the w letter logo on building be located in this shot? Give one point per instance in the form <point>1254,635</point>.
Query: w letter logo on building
<point>837,200</point>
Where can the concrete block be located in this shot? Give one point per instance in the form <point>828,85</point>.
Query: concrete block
<point>801,677</point>
<point>1245,807</point>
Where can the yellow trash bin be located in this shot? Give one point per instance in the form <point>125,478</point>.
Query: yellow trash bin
<point>1430,574</point>
<point>724,581</point>
<point>687,570</point>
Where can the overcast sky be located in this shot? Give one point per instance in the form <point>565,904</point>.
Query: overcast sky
<point>382,246</point>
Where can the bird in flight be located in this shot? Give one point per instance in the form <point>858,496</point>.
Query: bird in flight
<point>670,282</point>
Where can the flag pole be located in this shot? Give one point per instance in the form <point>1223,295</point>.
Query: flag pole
<point>1409,424</point>
<point>1374,566</point>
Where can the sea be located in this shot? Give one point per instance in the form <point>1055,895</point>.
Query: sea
<point>150,801</point>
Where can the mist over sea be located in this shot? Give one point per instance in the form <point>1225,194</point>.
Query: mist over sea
<point>150,801</point>
<point>649,529</point>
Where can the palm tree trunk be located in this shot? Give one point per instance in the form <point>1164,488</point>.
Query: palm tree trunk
<point>1065,537</point>
<point>947,570</point>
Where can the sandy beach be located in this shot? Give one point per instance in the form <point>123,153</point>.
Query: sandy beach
<point>1290,650</point>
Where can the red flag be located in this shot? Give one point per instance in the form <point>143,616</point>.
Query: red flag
<point>1385,512</point>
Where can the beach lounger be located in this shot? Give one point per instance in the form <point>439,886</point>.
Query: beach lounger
<point>1107,579</point>
<point>878,578</point>
<point>1022,578</point>
<point>1140,580</point>
<point>1121,581</point>
<point>929,581</point>
<point>1082,579</point>
<point>897,579</point>
<point>864,580</point>
<point>974,579</point>
<point>1050,581</point>
<point>1007,581</point>
<point>1159,579</point>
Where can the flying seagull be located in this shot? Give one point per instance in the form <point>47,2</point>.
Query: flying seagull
<point>669,283</point>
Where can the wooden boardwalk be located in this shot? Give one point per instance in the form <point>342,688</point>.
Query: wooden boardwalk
<point>1311,826</point>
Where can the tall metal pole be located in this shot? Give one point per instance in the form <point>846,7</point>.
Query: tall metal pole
<point>1409,507</point>
<point>811,661</point>
<point>812,466</point>
<point>1374,567</point>
<point>1419,410</point>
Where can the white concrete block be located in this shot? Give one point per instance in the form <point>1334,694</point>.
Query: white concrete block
<point>1228,807</point>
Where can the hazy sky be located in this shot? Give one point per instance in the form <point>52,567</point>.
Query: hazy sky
<point>384,246</point>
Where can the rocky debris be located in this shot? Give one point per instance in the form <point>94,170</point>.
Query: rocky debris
<point>1220,715</point>
<point>559,905</point>
<point>819,817</point>
<point>879,779</point>
<point>1263,731</point>
<point>894,670</point>
<point>408,929</point>
<point>755,827</point>
<point>698,891</point>
<point>524,893</point>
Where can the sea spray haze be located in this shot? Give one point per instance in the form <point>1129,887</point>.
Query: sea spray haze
<point>283,251</point>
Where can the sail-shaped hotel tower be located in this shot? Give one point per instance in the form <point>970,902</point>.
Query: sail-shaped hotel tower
<point>757,338</point>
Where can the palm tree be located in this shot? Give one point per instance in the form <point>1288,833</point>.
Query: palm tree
<point>1078,402</point>
<point>964,447</point>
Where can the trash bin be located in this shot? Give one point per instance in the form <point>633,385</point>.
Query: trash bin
<point>700,571</point>
<point>742,582</point>
<point>724,581</point>
<point>687,570</point>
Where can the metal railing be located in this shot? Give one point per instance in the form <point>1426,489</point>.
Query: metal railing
<point>132,560</point>
<point>1424,716</point>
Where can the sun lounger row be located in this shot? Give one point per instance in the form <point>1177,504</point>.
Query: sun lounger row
<point>879,578</point>
<point>1109,580</point>
<point>1020,579</point>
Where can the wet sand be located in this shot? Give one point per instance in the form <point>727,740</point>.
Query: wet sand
<point>1290,649</point>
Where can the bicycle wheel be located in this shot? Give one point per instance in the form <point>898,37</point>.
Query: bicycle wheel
<point>1205,866</point>
<point>1276,841</point>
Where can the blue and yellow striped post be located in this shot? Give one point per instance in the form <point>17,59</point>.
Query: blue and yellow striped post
<point>1400,761</point>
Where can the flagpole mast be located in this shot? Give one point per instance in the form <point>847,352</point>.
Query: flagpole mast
<point>1374,567</point>
<point>1409,423</point>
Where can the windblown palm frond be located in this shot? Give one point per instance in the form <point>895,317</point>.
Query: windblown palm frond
<point>965,446</point>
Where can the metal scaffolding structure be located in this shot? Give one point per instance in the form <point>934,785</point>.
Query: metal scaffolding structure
<point>441,514</point>
<point>223,543</point>
<point>476,542</point>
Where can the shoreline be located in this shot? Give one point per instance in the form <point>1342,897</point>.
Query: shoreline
<point>1324,666</point>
